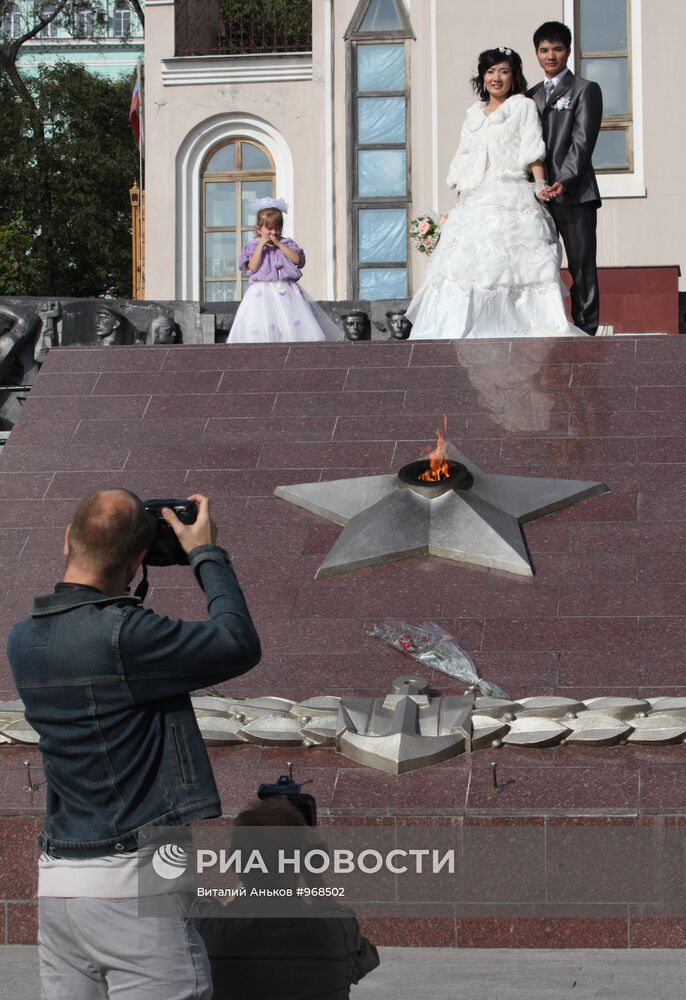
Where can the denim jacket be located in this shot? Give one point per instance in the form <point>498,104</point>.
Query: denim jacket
<point>106,684</point>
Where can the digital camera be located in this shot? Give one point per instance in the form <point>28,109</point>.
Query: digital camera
<point>165,549</point>
<point>285,788</point>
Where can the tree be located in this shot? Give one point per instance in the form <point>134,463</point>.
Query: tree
<point>17,266</point>
<point>65,211</point>
<point>138,7</point>
<point>266,25</point>
<point>53,183</point>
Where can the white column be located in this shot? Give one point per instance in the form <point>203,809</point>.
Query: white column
<point>328,150</point>
<point>434,109</point>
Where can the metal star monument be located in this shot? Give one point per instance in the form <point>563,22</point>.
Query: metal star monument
<point>471,517</point>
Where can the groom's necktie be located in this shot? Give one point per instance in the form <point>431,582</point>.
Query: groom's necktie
<point>549,88</point>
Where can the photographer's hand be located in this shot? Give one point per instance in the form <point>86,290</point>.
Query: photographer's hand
<point>202,532</point>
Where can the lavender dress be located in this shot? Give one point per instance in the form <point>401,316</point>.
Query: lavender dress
<point>274,309</point>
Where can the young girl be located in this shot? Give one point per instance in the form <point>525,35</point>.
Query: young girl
<point>274,308</point>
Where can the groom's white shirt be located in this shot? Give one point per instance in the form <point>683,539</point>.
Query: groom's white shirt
<point>556,79</point>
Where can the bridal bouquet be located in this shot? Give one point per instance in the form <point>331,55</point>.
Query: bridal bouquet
<point>425,234</point>
<point>432,646</point>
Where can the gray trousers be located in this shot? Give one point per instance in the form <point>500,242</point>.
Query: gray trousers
<point>576,225</point>
<point>95,949</point>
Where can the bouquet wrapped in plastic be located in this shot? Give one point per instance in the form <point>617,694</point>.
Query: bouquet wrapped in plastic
<point>433,647</point>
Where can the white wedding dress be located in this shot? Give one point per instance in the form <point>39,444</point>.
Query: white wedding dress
<point>496,269</point>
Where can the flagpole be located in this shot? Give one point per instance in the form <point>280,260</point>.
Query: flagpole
<point>141,213</point>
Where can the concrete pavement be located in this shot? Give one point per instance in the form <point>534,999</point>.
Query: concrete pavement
<point>467,974</point>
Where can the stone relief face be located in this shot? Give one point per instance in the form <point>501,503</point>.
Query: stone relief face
<point>106,326</point>
<point>164,330</point>
<point>357,326</point>
<point>398,325</point>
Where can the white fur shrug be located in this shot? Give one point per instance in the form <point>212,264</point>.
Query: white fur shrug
<point>506,142</point>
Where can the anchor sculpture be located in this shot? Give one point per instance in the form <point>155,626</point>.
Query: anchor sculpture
<point>405,730</point>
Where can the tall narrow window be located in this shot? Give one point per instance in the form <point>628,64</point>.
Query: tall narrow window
<point>379,170</point>
<point>11,21</point>
<point>84,21</point>
<point>235,173</point>
<point>603,39</point>
<point>50,30</point>
<point>122,19</point>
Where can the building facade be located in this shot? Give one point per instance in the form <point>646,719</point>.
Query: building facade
<point>105,36</point>
<point>355,123</point>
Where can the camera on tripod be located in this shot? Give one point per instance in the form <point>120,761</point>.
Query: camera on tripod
<point>286,788</point>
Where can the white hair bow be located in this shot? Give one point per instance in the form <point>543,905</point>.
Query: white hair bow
<point>508,52</point>
<point>257,204</point>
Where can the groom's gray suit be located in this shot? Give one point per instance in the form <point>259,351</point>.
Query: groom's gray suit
<point>571,118</point>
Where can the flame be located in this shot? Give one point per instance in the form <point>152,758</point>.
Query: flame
<point>438,463</point>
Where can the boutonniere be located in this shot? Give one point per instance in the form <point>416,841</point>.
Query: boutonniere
<point>562,104</point>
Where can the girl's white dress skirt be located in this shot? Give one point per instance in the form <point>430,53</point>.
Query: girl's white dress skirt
<point>280,312</point>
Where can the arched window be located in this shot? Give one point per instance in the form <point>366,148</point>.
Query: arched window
<point>122,19</point>
<point>233,175</point>
<point>84,21</point>
<point>50,30</point>
<point>11,21</point>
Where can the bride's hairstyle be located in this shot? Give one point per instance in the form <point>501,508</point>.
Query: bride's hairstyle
<point>491,57</point>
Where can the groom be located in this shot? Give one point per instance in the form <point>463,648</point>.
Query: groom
<point>571,110</point>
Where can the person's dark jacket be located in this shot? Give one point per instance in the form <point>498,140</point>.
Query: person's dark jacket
<point>285,958</point>
<point>106,684</point>
<point>570,120</point>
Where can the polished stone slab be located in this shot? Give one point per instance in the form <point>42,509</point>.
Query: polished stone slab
<point>601,616</point>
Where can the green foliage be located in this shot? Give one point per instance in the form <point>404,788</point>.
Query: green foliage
<point>17,266</point>
<point>267,25</point>
<point>65,229</point>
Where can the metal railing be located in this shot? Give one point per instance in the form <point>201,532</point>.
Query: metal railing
<point>242,27</point>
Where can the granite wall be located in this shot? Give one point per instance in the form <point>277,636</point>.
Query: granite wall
<point>604,614</point>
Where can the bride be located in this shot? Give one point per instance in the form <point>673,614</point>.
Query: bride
<point>496,269</point>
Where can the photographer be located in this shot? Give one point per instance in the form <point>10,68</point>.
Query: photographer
<point>106,684</point>
<point>310,951</point>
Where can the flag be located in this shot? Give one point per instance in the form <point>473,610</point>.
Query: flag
<point>135,112</point>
